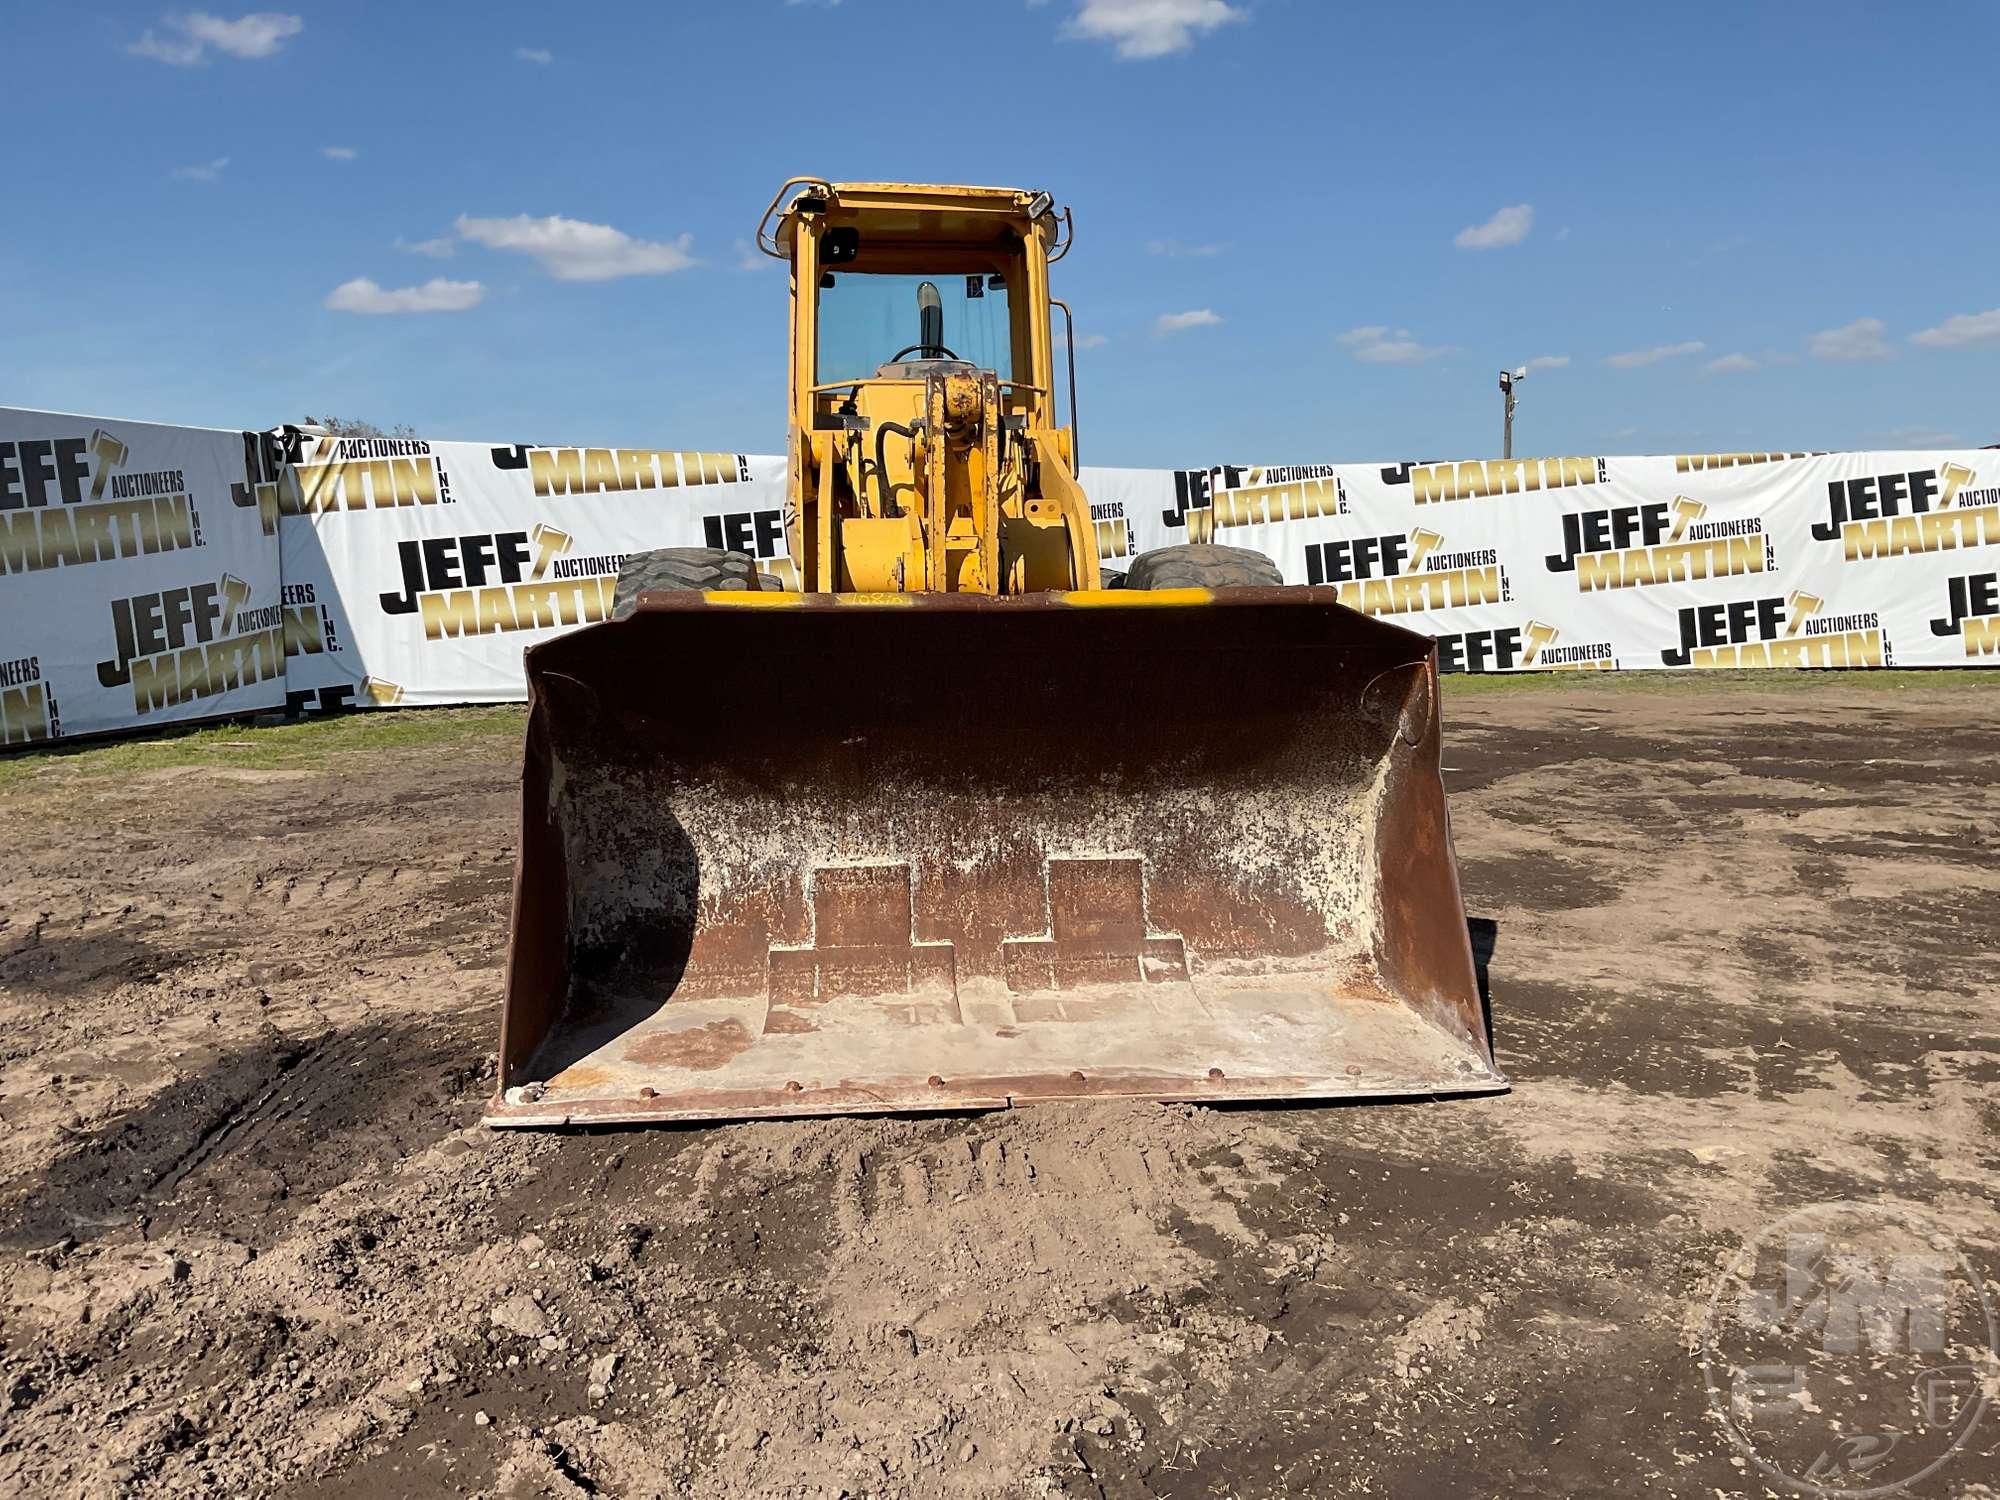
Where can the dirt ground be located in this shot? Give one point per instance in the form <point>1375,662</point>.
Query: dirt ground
<point>252,1239</point>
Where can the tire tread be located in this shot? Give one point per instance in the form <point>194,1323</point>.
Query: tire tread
<point>1202,566</point>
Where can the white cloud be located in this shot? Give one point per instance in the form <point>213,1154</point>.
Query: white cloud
<point>208,171</point>
<point>1399,352</point>
<point>1507,227</point>
<point>258,35</point>
<point>191,35</point>
<point>1149,28</point>
<point>1861,339</point>
<point>1921,435</point>
<point>1379,344</point>
<point>1961,330</point>
<point>1177,250</point>
<point>177,52</point>
<point>1729,364</point>
<point>1200,317</point>
<point>1633,358</point>
<point>441,248</point>
<point>1547,362</point>
<point>363,296</point>
<point>541,57</point>
<point>749,257</point>
<point>1091,341</point>
<point>338,153</point>
<point>574,250</point>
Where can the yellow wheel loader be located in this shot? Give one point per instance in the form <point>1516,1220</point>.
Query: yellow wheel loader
<point>950,823</point>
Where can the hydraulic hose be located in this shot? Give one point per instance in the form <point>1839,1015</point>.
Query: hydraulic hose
<point>882,430</point>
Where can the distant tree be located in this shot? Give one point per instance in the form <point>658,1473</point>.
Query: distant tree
<point>343,427</point>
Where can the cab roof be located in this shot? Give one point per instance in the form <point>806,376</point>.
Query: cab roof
<point>911,213</point>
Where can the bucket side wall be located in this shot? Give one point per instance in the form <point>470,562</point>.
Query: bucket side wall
<point>537,979</point>
<point>1424,947</point>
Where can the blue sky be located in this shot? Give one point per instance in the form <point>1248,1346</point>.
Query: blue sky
<point>1305,232</point>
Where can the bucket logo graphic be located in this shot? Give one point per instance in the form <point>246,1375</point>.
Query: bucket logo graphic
<point>1498,650</point>
<point>1476,479</point>
<point>549,544</point>
<point>610,471</point>
<point>173,646</point>
<point>111,455</point>
<point>1114,532</point>
<point>67,501</point>
<point>349,474</point>
<point>1546,652</point>
<point>1793,631</point>
<point>1972,613</point>
<point>1849,1349</point>
<point>1633,546</point>
<point>1210,500</point>
<point>780,573</point>
<point>1402,573</point>
<point>755,533</point>
<point>1918,510</point>
<point>758,534</point>
<point>28,711</point>
<point>1697,463</point>
<point>491,581</point>
<point>1514,648</point>
<point>1951,479</point>
<point>308,624</point>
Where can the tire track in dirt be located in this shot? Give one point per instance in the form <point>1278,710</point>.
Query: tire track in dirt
<point>246,991</point>
<point>984,1288</point>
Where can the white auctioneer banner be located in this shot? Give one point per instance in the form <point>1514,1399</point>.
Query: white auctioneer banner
<point>132,592</point>
<point>1593,563</point>
<point>433,565</point>
<point>151,574</point>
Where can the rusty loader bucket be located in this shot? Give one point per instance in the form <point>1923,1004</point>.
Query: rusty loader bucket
<point>789,854</point>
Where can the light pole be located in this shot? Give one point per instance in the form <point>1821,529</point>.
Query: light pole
<point>1508,380</point>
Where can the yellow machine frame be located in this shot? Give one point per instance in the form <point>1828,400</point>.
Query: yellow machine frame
<point>978,495</point>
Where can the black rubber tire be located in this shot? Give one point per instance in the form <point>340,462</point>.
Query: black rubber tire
<point>676,570</point>
<point>1202,567</point>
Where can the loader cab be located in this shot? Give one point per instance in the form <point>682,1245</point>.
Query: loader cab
<point>923,376</point>
<point>896,275</point>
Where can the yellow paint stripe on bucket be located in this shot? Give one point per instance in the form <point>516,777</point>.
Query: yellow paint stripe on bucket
<point>753,598</point>
<point>1136,598</point>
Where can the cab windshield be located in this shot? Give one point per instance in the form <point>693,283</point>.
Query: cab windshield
<point>866,320</point>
